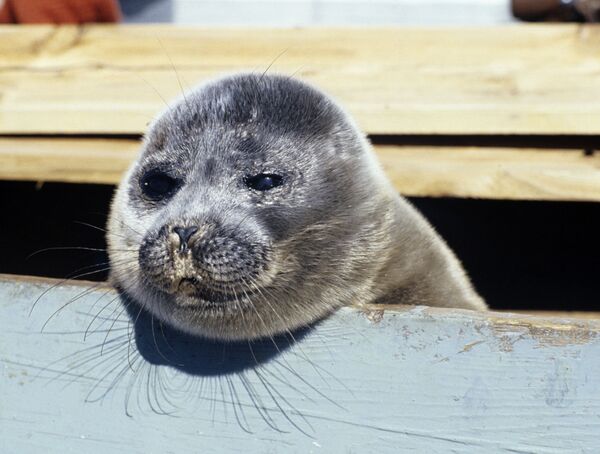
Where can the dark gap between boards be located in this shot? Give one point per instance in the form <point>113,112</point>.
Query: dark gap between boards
<point>520,255</point>
<point>543,141</point>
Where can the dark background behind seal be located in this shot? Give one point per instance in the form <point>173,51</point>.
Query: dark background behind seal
<point>520,255</point>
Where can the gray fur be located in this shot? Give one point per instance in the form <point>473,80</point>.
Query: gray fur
<point>335,233</point>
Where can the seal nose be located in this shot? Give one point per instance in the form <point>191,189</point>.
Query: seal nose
<point>184,233</point>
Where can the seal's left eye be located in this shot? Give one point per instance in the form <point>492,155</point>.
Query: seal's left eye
<point>157,185</point>
<point>264,181</point>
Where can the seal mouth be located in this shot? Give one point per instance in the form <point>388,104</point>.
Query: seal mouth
<point>192,287</point>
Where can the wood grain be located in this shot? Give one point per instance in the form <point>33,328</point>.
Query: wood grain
<point>373,379</point>
<point>493,80</point>
<point>496,173</point>
<point>66,160</point>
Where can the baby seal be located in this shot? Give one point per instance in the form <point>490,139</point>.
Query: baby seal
<point>257,207</point>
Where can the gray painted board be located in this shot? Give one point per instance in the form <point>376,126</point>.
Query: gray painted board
<point>394,380</point>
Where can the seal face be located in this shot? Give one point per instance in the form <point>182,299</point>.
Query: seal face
<point>254,208</point>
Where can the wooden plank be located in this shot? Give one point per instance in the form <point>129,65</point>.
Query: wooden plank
<point>368,379</point>
<point>561,314</point>
<point>66,160</point>
<point>496,173</point>
<point>493,80</point>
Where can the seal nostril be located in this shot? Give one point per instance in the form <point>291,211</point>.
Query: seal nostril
<point>184,233</point>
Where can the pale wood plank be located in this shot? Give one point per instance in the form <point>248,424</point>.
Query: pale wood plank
<point>373,379</point>
<point>560,314</point>
<point>66,160</point>
<point>496,173</point>
<point>493,80</point>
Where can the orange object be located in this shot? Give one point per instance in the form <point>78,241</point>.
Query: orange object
<point>59,11</point>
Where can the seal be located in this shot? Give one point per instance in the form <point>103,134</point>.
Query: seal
<point>257,207</point>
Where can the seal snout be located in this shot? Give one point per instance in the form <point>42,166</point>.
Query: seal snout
<point>184,234</point>
<point>208,261</point>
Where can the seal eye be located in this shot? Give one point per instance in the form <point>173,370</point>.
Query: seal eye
<point>264,181</point>
<point>157,185</point>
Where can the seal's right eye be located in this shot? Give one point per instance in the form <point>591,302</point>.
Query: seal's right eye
<point>157,185</point>
<point>264,181</point>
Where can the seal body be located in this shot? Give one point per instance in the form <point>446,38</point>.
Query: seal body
<point>257,207</point>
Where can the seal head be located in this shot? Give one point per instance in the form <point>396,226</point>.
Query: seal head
<point>255,207</point>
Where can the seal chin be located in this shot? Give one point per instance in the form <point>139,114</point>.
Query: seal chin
<point>187,286</point>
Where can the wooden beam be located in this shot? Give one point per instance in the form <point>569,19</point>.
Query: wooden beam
<point>495,173</point>
<point>66,160</point>
<point>367,379</point>
<point>494,80</point>
<point>560,314</point>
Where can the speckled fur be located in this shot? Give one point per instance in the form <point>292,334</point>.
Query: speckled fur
<point>335,233</point>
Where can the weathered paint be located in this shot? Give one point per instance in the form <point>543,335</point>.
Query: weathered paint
<point>391,379</point>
